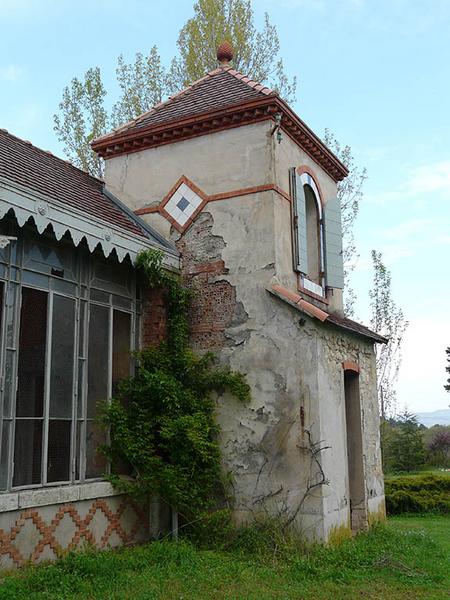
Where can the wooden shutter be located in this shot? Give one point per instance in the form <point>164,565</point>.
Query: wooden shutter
<point>299,223</point>
<point>334,265</point>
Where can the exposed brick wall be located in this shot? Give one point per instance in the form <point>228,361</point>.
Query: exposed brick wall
<point>214,298</point>
<point>154,317</point>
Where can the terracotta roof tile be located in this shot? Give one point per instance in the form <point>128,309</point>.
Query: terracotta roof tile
<point>42,172</point>
<point>356,327</point>
<point>219,89</point>
<point>297,301</point>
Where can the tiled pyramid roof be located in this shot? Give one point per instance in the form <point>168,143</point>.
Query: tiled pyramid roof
<point>224,98</point>
<point>219,89</point>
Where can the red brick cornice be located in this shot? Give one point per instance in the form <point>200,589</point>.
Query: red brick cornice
<point>261,109</point>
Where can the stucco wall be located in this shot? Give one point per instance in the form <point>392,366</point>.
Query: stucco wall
<point>294,368</point>
<point>231,254</point>
<point>220,162</point>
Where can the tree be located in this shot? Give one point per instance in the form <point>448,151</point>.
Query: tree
<point>388,320</point>
<point>349,194</point>
<point>81,119</point>
<point>255,52</point>
<point>143,83</point>
<point>406,451</point>
<point>439,446</point>
<point>447,368</point>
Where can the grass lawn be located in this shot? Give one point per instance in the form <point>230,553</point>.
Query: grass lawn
<point>409,558</point>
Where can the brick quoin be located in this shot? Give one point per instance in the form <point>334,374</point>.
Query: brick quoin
<point>154,317</point>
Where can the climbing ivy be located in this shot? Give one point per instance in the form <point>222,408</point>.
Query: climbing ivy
<point>162,420</point>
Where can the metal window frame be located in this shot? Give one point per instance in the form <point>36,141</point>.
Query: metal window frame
<point>85,271</point>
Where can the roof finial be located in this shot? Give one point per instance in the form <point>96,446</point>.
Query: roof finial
<point>224,53</point>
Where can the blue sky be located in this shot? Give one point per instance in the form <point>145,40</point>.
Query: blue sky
<point>376,72</point>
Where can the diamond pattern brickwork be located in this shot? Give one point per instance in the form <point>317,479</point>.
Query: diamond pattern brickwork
<point>45,533</point>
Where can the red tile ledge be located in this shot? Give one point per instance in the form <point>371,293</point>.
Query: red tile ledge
<point>307,307</point>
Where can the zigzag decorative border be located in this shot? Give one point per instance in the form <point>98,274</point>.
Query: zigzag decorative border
<point>47,532</point>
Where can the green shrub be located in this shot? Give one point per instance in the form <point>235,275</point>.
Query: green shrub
<point>213,530</point>
<point>162,421</point>
<point>418,494</point>
<point>265,536</point>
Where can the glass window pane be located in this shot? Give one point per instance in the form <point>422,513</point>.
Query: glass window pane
<point>121,347</point>
<point>62,357</point>
<point>9,383</point>
<point>4,455</point>
<point>65,287</point>
<point>4,254</point>
<point>32,278</point>
<point>80,390</point>
<point>27,452</point>
<point>99,296</point>
<point>112,275</point>
<point>122,302</point>
<point>42,256</point>
<point>79,433</point>
<point>81,349</point>
<point>58,458</point>
<point>11,303</point>
<point>32,342</point>
<point>96,464</point>
<point>98,357</point>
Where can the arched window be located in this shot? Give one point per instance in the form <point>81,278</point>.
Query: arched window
<point>317,234</point>
<point>313,235</point>
<point>308,232</point>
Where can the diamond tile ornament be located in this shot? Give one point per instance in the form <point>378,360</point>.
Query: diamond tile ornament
<point>182,205</point>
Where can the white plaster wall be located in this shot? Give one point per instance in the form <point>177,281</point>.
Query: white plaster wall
<point>289,154</point>
<point>217,162</point>
<point>288,366</point>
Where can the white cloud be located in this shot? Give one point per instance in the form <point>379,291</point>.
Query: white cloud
<point>421,182</point>
<point>422,373</point>
<point>407,239</point>
<point>11,73</point>
<point>27,10</point>
<point>430,178</point>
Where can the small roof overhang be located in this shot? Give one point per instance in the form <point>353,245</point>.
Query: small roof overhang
<point>352,327</point>
<point>26,203</point>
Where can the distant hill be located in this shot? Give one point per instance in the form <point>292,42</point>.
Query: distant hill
<point>437,417</point>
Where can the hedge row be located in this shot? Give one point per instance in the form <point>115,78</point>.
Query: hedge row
<point>418,494</point>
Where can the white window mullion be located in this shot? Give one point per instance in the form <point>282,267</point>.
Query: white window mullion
<point>48,370</point>
<point>110,350</point>
<point>110,366</point>
<point>17,309</point>
<point>75,367</point>
<point>83,432</point>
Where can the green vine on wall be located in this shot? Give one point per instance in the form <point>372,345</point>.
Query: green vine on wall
<point>162,420</point>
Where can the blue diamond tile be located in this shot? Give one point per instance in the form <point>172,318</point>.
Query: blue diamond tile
<point>182,203</point>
